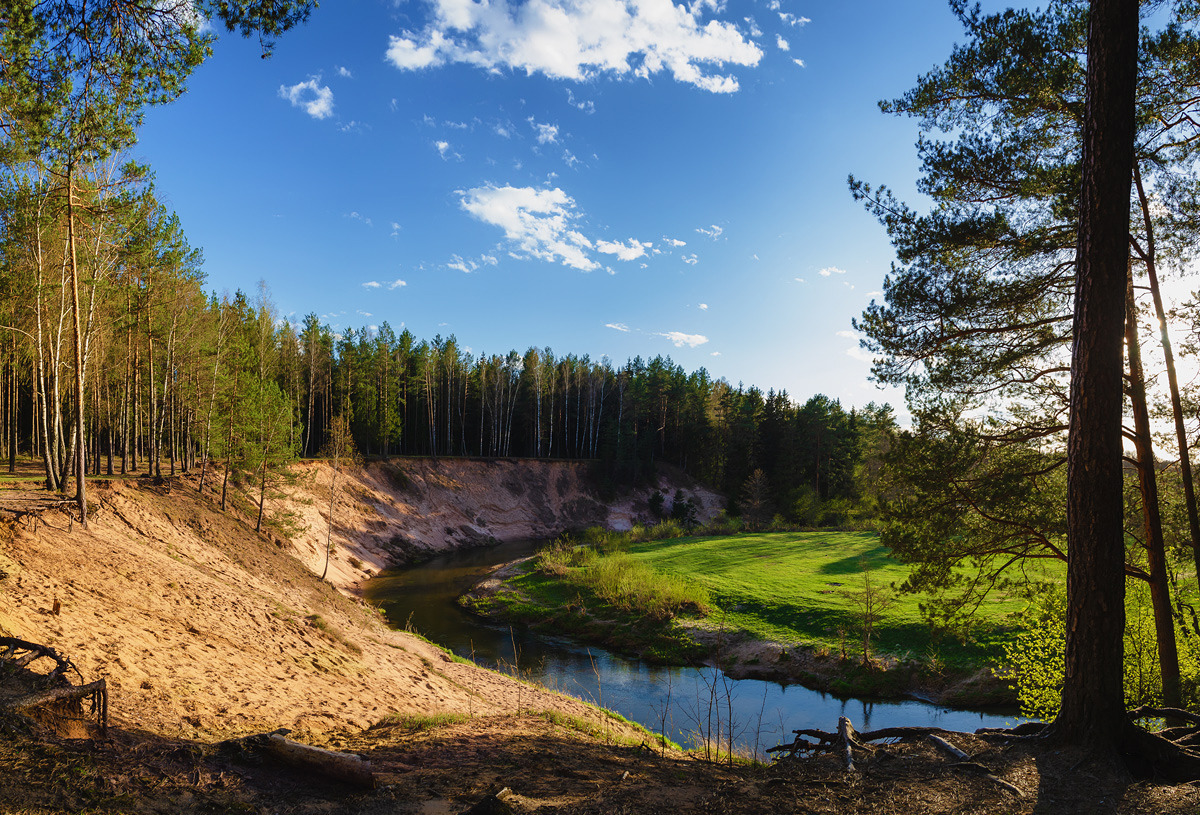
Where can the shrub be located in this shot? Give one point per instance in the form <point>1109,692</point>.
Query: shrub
<point>1038,655</point>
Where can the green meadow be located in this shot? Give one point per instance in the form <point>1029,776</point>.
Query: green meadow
<point>801,589</point>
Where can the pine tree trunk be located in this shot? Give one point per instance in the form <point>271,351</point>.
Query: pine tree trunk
<point>1093,704</point>
<point>1156,557</point>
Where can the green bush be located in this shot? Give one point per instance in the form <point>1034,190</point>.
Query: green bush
<point>1036,659</point>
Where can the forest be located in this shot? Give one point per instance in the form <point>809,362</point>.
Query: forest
<point>1027,322</point>
<point>174,379</point>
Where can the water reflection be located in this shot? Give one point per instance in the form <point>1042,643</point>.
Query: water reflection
<point>681,702</point>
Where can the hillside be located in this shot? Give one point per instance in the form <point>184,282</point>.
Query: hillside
<point>206,630</point>
<point>387,514</point>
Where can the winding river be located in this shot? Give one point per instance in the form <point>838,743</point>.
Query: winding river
<point>668,699</point>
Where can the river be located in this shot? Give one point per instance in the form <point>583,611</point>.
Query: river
<point>663,699</point>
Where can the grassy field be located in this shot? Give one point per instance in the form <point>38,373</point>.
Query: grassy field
<point>795,588</point>
<point>798,587</point>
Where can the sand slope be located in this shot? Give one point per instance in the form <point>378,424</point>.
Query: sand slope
<point>205,629</point>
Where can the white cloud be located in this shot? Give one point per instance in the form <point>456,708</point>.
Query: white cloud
<point>359,217</point>
<point>634,250</point>
<point>344,72</point>
<point>691,259</point>
<point>503,131</point>
<point>580,39</point>
<point>793,20</point>
<point>311,96</point>
<point>704,306</point>
<point>546,133</point>
<point>860,354</point>
<point>375,284</point>
<point>680,339</point>
<point>372,284</point>
<point>798,279</point>
<point>800,62</point>
<point>364,313</point>
<point>618,327</point>
<point>569,158</point>
<point>714,232</point>
<point>443,147</point>
<point>847,334</point>
<point>462,264</point>
<point>540,223</point>
<point>396,284</point>
<point>587,106</point>
<point>831,270</point>
<point>753,28</point>
<point>674,242</point>
<point>395,229</point>
<point>715,354</point>
<point>782,43</point>
<point>874,294</point>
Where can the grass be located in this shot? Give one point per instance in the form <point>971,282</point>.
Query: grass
<point>798,587</point>
<point>415,722</point>
<point>795,588</point>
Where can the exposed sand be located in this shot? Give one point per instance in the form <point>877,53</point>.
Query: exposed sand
<point>205,629</point>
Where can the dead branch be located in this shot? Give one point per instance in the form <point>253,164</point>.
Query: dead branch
<point>846,743</point>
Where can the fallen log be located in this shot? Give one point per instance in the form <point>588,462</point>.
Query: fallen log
<point>348,768</point>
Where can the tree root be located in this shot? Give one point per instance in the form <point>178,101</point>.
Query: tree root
<point>1171,754</point>
<point>54,688</point>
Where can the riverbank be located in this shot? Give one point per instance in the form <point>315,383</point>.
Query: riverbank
<point>765,609</point>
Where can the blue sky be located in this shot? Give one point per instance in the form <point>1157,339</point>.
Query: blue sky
<point>604,177</point>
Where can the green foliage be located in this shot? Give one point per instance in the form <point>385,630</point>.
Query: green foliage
<point>623,583</point>
<point>1036,658</point>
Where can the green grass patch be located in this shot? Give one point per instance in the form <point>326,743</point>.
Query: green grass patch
<point>415,722</point>
<point>800,588</point>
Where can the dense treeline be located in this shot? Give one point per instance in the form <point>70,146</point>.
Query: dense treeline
<point>175,380</point>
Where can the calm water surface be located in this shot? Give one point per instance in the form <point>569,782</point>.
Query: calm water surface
<point>674,700</point>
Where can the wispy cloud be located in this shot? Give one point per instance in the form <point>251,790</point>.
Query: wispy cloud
<point>674,242</point>
<point>357,216</point>
<point>546,133</point>
<point>704,306</point>
<point>310,96</point>
<point>631,251</point>
<point>848,334</point>
<point>782,44</point>
<point>680,339</point>
<point>446,151</point>
<point>691,259</point>
<point>831,270</point>
<point>586,105</point>
<point>344,72</point>
<point>568,39</point>
<point>375,284</point>
<point>713,231</point>
<point>800,62</point>
<point>793,20</point>
<point>544,224</point>
<point>618,327</point>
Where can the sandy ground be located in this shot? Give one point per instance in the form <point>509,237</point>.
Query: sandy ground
<point>204,629</point>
